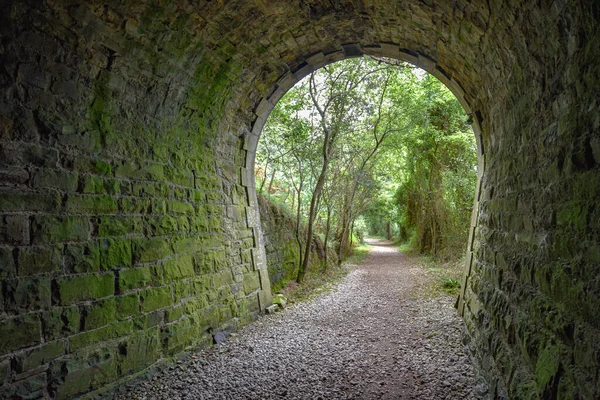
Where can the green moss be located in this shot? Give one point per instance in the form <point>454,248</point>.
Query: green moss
<point>139,351</point>
<point>547,366</point>
<point>41,355</point>
<point>100,313</point>
<point>111,331</point>
<point>61,322</point>
<point>155,298</point>
<point>115,253</point>
<point>128,305</point>
<point>133,278</point>
<point>178,269</point>
<point>35,260</point>
<point>150,249</point>
<point>82,204</point>
<point>22,331</point>
<point>85,287</point>
<point>60,229</point>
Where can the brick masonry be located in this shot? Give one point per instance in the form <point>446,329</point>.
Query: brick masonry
<point>129,224</point>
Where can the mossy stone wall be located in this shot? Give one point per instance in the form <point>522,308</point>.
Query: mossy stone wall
<point>124,230</point>
<point>281,247</point>
<point>129,223</point>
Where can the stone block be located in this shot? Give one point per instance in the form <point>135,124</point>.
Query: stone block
<point>36,260</point>
<point>155,298</point>
<point>150,249</point>
<point>27,294</point>
<point>35,76</point>
<point>163,225</point>
<point>149,320</point>
<point>159,206</point>
<point>99,313</point>
<point>88,204</point>
<point>61,322</point>
<point>4,372</point>
<point>173,314</point>
<point>77,288</point>
<point>116,225</point>
<point>78,376</point>
<point>18,201</point>
<point>128,305</point>
<point>17,229</point>
<point>181,335</point>
<point>133,205</point>
<point>251,282</point>
<point>145,189</point>
<point>13,176</point>
<point>55,179</point>
<point>140,277</point>
<point>86,339</point>
<point>8,268</point>
<point>115,253</point>
<point>180,207</point>
<point>92,184</point>
<point>181,290</point>
<point>19,332</point>
<point>186,244</point>
<point>40,356</point>
<point>178,269</point>
<point>139,351</point>
<point>31,387</point>
<point>82,257</point>
<point>48,229</point>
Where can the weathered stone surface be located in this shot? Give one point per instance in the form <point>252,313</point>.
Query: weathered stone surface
<point>144,121</point>
<point>19,332</point>
<point>84,287</point>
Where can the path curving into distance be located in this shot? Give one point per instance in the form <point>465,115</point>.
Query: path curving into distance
<point>372,337</point>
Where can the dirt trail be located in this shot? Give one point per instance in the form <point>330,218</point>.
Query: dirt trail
<point>373,337</point>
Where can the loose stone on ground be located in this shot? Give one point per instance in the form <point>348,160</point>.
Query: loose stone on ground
<point>373,337</point>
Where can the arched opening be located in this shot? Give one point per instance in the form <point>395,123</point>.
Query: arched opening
<point>307,116</point>
<point>387,50</point>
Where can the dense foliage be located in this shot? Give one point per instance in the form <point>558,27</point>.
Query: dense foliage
<point>369,145</point>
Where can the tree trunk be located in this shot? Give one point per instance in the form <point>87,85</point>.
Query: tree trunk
<point>270,181</point>
<point>327,229</point>
<point>311,215</point>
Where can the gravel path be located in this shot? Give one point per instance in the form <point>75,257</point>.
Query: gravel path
<point>372,337</point>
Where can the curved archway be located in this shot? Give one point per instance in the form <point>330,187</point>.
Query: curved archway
<point>319,60</point>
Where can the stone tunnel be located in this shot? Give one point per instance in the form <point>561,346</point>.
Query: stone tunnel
<point>129,228</point>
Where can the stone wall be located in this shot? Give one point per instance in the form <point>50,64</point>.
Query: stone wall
<point>278,228</point>
<point>124,232</point>
<point>129,225</point>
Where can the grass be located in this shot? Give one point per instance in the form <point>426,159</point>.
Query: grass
<point>359,253</point>
<point>445,276</point>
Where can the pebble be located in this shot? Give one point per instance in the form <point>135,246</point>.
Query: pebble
<point>370,338</point>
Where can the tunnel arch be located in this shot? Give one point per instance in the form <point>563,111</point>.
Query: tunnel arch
<point>128,131</point>
<point>319,60</point>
